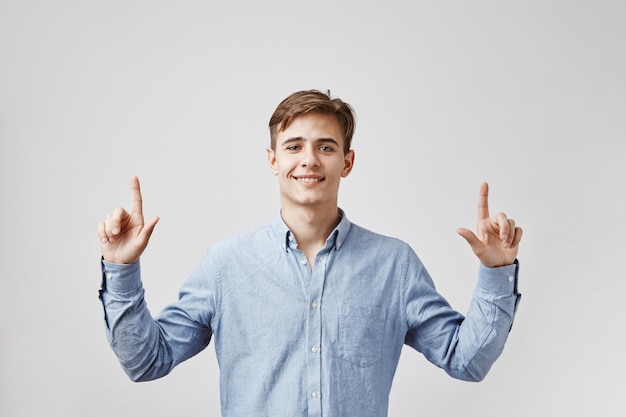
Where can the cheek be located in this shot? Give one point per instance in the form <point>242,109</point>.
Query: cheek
<point>285,167</point>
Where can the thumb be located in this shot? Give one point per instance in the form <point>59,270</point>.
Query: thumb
<point>147,229</point>
<point>471,238</point>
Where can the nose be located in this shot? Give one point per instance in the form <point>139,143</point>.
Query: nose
<point>309,158</point>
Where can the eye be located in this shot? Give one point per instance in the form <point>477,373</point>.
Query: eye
<point>293,147</point>
<point>326,148</point>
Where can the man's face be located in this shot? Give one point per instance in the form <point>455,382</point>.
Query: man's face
<point>309,161</point>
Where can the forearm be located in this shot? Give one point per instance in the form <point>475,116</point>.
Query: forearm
<point>485,329</point>
<point>464,346</point>
<point>133,334</point>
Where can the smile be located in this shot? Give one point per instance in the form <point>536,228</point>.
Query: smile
<point>308,179</point>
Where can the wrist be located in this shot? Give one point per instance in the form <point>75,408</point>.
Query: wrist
<point>120,278</point>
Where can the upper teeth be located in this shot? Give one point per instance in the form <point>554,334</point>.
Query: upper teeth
<point>308,179</point>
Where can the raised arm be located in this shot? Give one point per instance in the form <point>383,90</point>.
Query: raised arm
<point>123,235</point>
<point>497,239</point>
<point>146,347</point>
<point>467,346</point>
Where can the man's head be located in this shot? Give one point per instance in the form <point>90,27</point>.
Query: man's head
<point>312,101</point>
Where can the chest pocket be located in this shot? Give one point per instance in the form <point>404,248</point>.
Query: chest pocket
<point>361,330</point>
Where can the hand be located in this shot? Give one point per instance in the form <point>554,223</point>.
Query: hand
<point>497,239</point>
<point>123,235</point>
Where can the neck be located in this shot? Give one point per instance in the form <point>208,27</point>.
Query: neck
<point>311,227</point>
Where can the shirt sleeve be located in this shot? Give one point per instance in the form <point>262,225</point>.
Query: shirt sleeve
<point>464,346</point>
<point>147,347</point>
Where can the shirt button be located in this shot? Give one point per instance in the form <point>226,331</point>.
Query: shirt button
<point>315,394</point>
<point>314,304</point>
<point>109,275</point>
<point>290,238</point>
<point>314,349</point>
<point>303,261</point>
<point>511,279</point>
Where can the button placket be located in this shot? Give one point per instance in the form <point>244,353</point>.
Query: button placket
<point>315,337</point>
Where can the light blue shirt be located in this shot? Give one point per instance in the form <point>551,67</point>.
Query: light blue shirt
<point>292,340</point>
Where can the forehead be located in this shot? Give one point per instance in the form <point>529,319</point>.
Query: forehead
<point>312,126</point>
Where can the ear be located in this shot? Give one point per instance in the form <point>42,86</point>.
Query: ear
<point>348,163</point>
<point>271,161</point>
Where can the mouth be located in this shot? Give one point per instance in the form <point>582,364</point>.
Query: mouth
<point>309,179</point>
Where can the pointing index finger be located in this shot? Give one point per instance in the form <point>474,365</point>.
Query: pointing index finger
<point>136,206</point>
<point>483,202</point>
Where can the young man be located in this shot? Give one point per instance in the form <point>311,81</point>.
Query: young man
<point>309,312</point>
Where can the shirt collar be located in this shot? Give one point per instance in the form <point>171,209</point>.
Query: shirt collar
<point>339,234</point>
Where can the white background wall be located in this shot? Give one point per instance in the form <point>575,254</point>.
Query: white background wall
<point>528,95</point>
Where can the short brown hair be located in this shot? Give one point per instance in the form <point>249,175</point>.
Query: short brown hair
<point>313,101</point>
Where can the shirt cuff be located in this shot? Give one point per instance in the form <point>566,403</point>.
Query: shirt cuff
<point>500,280</point>
<point>120,278</point>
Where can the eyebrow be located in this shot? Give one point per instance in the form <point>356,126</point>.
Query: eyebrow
<point>320,140</point>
